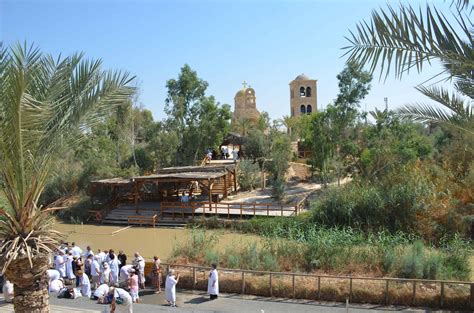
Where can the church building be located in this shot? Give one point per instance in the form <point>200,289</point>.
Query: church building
<point>245,105</point>
<point>303,95</point>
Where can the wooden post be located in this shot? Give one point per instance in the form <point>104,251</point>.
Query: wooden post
<point>210,194</point>
<point>135,197</point>
<point>235,180</point>
<point>254,209</point>
<point>350,289</point>
<point>282,210</point>
<point>414,292</point>
<point>193,206</point>
<point>386,291</point>
<point>472,296</point>
<point>441,296</point>
<point>319,287</point>
<point>271,289</point>
<point>268,210</point>
<point>194,278</point>
<point>225,186</point>
<point>228,210</point>
<point>243,282</point>
<point>293,284</point>
<point>241,211</point>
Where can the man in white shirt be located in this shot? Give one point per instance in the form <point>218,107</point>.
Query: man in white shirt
<point>60,263</point>
<point>56,285</point>
<point>84,284</point>
<point>76,251</point>
<point>100,292</point>
<point>95,271</point>
<point>87,252</point>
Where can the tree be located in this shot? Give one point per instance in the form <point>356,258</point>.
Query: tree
<point>199,121</point>
<point>280,157</point>
<point>45,104</point>
<point>401,40</point>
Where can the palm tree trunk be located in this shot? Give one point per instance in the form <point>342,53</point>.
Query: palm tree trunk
<point>30,284</point>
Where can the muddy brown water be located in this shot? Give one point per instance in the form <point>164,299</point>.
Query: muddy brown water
<point>147,241</point>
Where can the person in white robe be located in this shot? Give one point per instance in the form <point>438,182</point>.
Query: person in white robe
<point>69,271</point>
<point>170,288</point>
<point>53,274</point>
<point>101,256</point>
<point>76,251</point>
<point>88,252</point>
<point>114,268</point>
<point>139,262</point>
<point>95,271</point>
<point>106,274</point>
<point>60,264</point>
<point>56,285</point>
<point>100,292</point>
<point>124,274</point>
<point>84,284</point>
<point>126,306</point>
<point>213,282</point>
<point>7,290</point>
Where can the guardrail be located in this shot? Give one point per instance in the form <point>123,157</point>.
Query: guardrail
<point>143,220</point>
<point>418,286</point>
<point>240,209</point>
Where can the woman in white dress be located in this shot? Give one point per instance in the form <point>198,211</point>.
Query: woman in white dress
<point>170,287</point>
<point>106,275</point>
<point>60,264</point>
<point>114,268</point>
<point>69,272</point>
<point>213,282</point>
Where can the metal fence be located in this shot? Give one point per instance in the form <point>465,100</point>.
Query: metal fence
<point>436,289</point>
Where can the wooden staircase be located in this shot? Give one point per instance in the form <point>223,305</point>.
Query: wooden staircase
<point>126,215</point>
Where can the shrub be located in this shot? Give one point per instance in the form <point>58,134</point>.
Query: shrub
<point>249,175</point>
<point>412,262</point>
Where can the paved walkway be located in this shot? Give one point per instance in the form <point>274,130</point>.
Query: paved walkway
<point>198,302</point>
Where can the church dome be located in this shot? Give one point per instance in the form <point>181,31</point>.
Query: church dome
<point>240,93</point>
<point>302,77</point>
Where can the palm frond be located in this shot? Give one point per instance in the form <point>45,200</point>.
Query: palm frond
<point>406,39</point>
<point>459,113</point>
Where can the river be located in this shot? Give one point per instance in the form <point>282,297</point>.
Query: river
<point>147,241</point>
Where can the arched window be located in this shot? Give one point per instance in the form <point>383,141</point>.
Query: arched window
<point>302,92</point>
<point>303,109</point>
<point>308,91</point>
<point>309,109</point>
<point>292,94</point>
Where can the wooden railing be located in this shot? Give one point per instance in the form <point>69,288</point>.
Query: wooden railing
<point>442,301</point>
<point>143,220</point>
<point>227,209</point>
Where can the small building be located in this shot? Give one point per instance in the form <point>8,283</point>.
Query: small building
<point>303,95</point>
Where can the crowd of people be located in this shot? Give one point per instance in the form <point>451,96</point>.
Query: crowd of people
<point>106,277</point>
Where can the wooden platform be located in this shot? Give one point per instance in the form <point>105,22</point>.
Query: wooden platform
<point>177,214</point>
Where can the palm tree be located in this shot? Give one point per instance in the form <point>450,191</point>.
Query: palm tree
<point>408,39</point>
<point>45,104</point>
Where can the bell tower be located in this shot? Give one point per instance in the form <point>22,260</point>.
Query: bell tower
<point>303,95</point>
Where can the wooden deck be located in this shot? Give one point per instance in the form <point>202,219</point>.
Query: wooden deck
<point>178,214</point>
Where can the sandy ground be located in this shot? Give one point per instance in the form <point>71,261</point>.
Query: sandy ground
<point>295,192</point>
<point>147,241</point>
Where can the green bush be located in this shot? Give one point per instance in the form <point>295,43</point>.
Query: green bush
<point>249,175</point>
<point>413,262</point>
<point>211,256</point>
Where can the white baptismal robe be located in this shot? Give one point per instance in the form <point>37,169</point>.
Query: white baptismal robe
<point>213,276</point>
<point>170,287</point>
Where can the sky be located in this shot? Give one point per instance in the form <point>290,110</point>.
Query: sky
<point>266,43</point>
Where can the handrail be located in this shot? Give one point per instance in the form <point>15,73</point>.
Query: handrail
<point>469,294</point>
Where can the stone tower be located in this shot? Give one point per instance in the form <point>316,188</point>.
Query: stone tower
<point>245,105</point>
<point>303,95</point>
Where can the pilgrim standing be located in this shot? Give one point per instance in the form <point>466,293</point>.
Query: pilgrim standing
<point>84,284</point>
<point>170,288</point>
<point>133,286</point>
<point>95,271</point>
<point>139,263</point>
<point>213,282</point>
<point>69,270</point>
<point>60,264</point>
<point>114,268</point>
<point>105,275</point>
<point>122,257</point>
<point>156,274</point>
